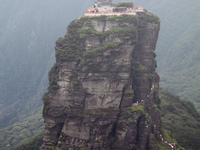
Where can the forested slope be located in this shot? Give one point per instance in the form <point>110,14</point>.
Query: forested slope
<point>178,46</point>
<point>25,128</point>
<point>40,23</point>
<point>180,117</point>
<point>28,33</point>
<point>29,29</point>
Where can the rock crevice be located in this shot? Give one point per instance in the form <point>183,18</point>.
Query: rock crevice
<point>103,87</point>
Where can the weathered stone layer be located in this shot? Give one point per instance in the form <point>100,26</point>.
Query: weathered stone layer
<point>104,65</point>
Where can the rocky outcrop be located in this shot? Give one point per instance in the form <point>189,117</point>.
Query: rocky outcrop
<point>104,65</point>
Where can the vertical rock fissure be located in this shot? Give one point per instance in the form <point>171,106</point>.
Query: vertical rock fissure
<point>104,26</point>
<point>77,64</point>
<point>59,131</point>
<point>84,99</point>
<point>103,78</point>
<point>120,111</point>
<point>138,129</point>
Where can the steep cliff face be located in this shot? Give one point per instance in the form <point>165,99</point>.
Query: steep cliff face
<point>104,65</point>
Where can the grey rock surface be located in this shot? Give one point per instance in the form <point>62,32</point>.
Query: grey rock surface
<point>91,108</point>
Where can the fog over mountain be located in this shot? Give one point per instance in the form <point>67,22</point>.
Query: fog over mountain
<point>28,32</point>
<point>29,29</point>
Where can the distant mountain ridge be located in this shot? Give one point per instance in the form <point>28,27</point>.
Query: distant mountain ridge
<point>178,18</point>
<point>16,66</point>
<point>178,47</point>
<point>28,33</point>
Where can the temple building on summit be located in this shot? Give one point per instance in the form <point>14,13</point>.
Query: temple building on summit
<point>107,7</point>
<point>104,5</point>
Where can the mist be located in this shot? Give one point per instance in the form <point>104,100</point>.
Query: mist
<point>29,29</point>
